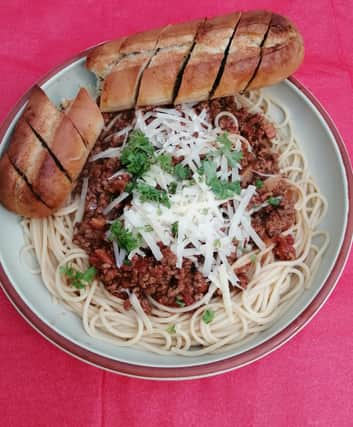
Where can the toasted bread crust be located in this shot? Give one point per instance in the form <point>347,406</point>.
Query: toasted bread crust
<point>86,117</point>
<point>53,127</point>
<point>206,59</point>
<point>46,154</point>
<point>100,59</point>
<point>282,53</point>
<point>120,86</point>
<point>264,49</point>
<point>158,81</point>
<point>244,53</point>
<point>16,195</point>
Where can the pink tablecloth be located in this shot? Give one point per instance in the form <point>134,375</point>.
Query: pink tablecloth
<point>307,382</point>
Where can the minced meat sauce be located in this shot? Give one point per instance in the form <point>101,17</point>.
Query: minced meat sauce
<point>162,280</point>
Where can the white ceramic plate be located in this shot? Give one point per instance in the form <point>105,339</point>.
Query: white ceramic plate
<point>331,169</point>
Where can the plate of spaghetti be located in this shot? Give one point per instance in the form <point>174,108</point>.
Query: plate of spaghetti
<point>194,237</point>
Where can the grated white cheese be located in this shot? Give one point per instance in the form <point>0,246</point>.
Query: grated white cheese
<point>208,230</point>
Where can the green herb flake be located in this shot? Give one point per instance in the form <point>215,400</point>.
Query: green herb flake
<point>217,243</point>
<point>221,188</point>
<point>175,227</point>
<point>224,189</point>
<point>232,156</point>
<point>179,301</point>
<point>171,329</point>
<point>259,184</point>
<point>253,258</point>
<point>138,154</point>
<point>208,316</point>
<point>124,238</point>
<point>166,163</point>
<point>77,278</point>
<point>148,228</point>
<point>274,201</point>
<point>172,187</point>
<point>129,187</point>
<point>182,172</point>
<point>152,194</point>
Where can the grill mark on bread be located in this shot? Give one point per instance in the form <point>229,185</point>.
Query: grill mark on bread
<point>180,74</point>
<point>23,176</point>
<point>260,57</point>
<point>206,58</point>
<point>45,145</point>
<point>224,60</point>
<point>146,65</point>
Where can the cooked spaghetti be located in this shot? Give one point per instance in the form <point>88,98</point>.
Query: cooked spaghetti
<point>191,230</point>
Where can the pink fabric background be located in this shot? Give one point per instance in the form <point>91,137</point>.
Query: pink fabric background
<point>307,382</point>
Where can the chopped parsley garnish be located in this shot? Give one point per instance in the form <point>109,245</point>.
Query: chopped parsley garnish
<point>232,156</point>
<point>208,315</point>
<point>172,187</point>
<point>259,184</point>
<point>138,154</point>
<point>175,227</point>
<point>179,301</point>
<point>171,329</point>
<point>124,238</point>
<point>253,258</point>
<point>274,201</point>
<point>221,188</point>
<point>224,189</point>
<point>152,194</point>
<point>166,163</point>
<point>77,278</point>
<point>182,172</point>
<point>130,186</point>
<point>148,228</point>
<point>217,243</point>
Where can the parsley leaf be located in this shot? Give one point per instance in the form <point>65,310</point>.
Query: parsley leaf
<point>232,156</point>
<point>166,163</point>
<point>172,187</point>
<point>179,301</point>
<point>252,258</point>
<point>124,238</point>
<point>138,154</point>
<point>208,315</point>
<point>171,329</point>
<point>274,201</point>
<point>224,189</point>
<point>182,172</point>
<point>221,188</point>
<point>77,278</point>
<point>149,193</point>
<point>259,183</point>
<point>175,227</point>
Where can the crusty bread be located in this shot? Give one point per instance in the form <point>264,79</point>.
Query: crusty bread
<point>16,195</point>
<point>46,154</point>
<point>33,160</point>
<point>158,81</point>
<point>282,52</point>
<point>120,86</point>
<point>229,54</point>
<point>52,128</point>
<point>202,68</point>
<point>86,117</point>
<point>244,53</point>
<point>103,57</point>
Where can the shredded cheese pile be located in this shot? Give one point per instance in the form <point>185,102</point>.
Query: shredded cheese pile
<point>208,229</point>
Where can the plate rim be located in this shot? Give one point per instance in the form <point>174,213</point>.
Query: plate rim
<point>212,368</point>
